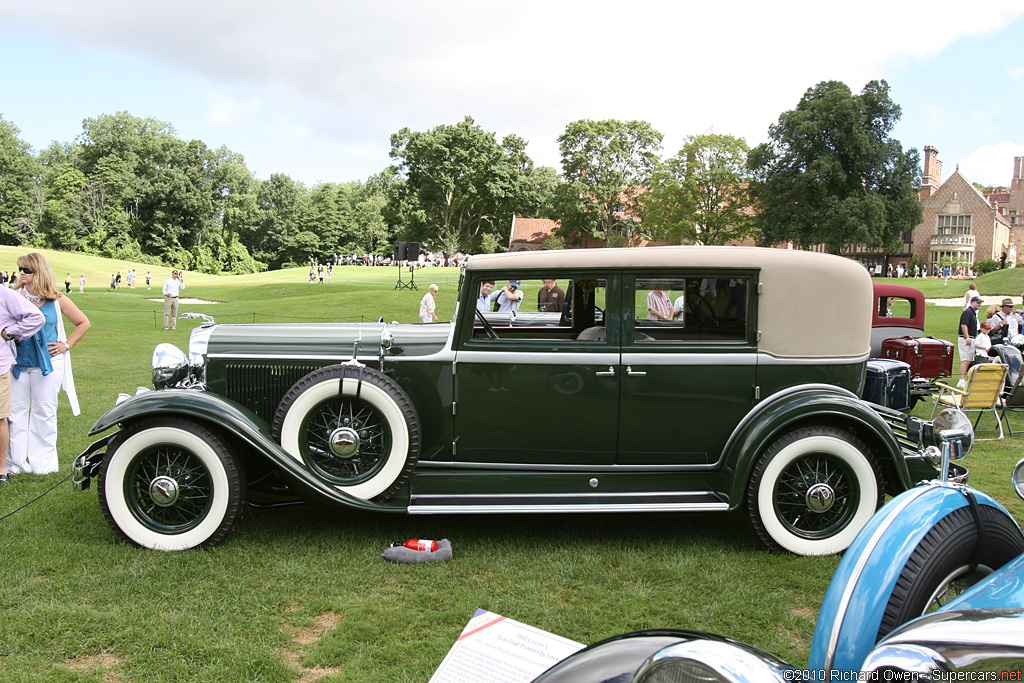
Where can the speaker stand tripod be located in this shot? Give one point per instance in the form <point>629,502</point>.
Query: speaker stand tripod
<point>411,284</point>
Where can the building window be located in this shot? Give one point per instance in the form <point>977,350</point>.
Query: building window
<point>955,225</point>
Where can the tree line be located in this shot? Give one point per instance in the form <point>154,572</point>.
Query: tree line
<point>131,188</point>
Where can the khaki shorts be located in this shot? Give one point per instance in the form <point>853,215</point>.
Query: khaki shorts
<point>966,352</point>
<point>5,395</point>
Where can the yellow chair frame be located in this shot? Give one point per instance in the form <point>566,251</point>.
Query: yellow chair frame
<point>983,390</point>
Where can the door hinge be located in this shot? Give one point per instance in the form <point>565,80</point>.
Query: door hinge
<point>454,411</point>
<point>454,448</point>
<point>757,393</point>
<point>759,335</point>
<point>760,287</point>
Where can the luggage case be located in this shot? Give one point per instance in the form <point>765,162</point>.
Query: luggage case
<point>927,356</point>
<point>887,383</point>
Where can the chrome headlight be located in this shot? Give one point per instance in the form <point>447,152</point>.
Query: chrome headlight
<point>170,365</point>
<point>951,418</point>
<point>706,661</point>
<point>1018,478</point>
<point>198,342</point>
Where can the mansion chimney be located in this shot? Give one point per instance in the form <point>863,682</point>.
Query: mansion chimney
<point>932,177</point>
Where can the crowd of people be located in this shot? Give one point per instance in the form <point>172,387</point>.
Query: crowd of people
<point>1002,324</point>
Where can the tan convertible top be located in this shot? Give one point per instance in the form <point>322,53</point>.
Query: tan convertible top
<point>811,305</point>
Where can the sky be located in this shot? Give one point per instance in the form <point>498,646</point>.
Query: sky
<point>315,88</point>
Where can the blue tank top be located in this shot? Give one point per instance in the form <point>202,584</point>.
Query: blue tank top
<point>34,352</point>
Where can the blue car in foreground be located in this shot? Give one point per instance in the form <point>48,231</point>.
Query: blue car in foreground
<point>932,589</point>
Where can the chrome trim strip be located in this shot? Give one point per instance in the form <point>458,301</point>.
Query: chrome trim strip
<point>542,356</point>
<point>514,496</point>
<point>543,509</point>
<point>443,356</point>
<point>678,356</point>
<point>767,359</point>
<point>433,464</point>
<point>858,570</point>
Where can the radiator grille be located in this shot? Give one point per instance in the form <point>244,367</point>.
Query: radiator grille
<point>261,386</point>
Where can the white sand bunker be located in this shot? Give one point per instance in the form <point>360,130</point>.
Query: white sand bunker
<point>959,301</point>
<point>185,300</point>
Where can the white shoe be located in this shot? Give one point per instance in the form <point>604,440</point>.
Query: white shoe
<point>961,384</point>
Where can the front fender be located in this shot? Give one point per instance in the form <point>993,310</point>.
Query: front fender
<point>795,406</point>
<point>851,613</point>
<point>234,419</point>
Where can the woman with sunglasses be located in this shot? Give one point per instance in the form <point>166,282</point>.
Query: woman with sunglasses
<point>42,367</point>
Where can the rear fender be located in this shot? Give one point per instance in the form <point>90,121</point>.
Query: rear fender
<point>798,406</point>
<point>851,613</point>
<point>233,419</point>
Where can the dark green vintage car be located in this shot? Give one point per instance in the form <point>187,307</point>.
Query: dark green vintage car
<point>662,379</point>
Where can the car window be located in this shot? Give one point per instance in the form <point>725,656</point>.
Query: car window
<point>689,308</point>
<point>895,307</point>
<point>567,308</point>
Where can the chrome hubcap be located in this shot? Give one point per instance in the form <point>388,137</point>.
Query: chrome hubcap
<point>344,442</point>
<point>164,491</point>
<point>820,498</point>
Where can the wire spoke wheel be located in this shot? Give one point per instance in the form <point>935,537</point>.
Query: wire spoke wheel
<point>347,440</point>
<point>814,497</point>
<point>168,489</point>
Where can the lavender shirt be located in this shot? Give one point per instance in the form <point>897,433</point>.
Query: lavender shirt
<point>20,318</point>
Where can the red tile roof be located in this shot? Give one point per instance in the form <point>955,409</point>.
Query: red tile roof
<point>532,230</point>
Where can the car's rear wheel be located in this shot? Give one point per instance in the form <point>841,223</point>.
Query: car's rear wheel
<point>170,484</point>
<point>812,490</point>
<point>948,561</point>
<point>355,428</point>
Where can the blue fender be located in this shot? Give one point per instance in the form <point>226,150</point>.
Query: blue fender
<point>238,421</point>
<point>851,613</point>
<point>793,407</point>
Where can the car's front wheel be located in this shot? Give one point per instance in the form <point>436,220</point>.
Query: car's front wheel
<point>170,484</point>
<point>812,490</point>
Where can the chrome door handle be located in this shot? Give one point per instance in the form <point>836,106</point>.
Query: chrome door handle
<point>629,371</point>
<point>610,372</point>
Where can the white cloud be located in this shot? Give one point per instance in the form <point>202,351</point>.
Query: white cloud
<point>991,164</point>
<point>354,72</point>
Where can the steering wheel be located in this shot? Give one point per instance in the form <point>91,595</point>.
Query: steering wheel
<point>487,326</point>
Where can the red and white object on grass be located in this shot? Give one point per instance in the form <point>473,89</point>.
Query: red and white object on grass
<point>419,544</point>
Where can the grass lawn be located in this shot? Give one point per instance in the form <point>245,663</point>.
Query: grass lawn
<point>301,594</point>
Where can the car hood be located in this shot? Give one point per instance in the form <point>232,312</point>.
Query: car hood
<point>326,339</point>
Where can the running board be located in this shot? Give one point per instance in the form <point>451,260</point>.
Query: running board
<point>531,503</point>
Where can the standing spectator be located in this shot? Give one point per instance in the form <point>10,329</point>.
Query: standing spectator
<point>483,297</point>
<point>658,305</point>
<point>149,280</point>
<point>428,308</point>
<point>330,267</point>
<point>983,342</point>
<point>172,291</point>
<point>113,282</point>
<point>972,291</point>
<point>312,274</point>
<point>550,297</point>
<point>509,297</point>
<point>67,283</point>
<point>81,284</point>
<point>1004,323</point>
<point>18,320</point>
<point>117,280</point>
<point>42,369</point>
<point>320,272</point>
<point>966,332</point>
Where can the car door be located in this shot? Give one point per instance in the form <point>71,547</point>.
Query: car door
<point>689,365</point>
<point>538,387</point>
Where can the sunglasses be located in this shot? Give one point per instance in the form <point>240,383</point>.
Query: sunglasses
<point>27,271</point>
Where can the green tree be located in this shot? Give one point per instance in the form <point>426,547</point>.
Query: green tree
<point>700,196</point>
<point>606,165</point>
<point>19,181</point>
<point>460,184</point>
<point>831,174</point>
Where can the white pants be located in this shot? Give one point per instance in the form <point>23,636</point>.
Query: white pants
<point>34,420</point>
